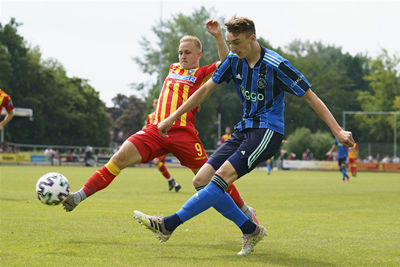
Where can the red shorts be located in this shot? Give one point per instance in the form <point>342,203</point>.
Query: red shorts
<point>183,142</point>
<point>352,160</point>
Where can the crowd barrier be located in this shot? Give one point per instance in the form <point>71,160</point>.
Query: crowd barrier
<point>66,159</point>
<point>333,165</point>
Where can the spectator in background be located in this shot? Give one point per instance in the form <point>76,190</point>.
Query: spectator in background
<point>50,153</point>
<point>6,102</point>
<point>75,156</point>
<point>69,157</point>
<point>227,135</point>
<point>89,157</point>
<point>307,155</point>
<point>386,159</point>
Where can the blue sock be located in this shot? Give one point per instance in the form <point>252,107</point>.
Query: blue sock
<point>227,207</point>
<point>203,199</point>
<point>344,172</point>
<point>248,227</point>
<point>171,222</point>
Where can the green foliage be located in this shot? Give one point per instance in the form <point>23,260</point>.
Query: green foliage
<point>131,118</point>
<point>384,79</point>
<point>335,77</point>
<point>312,220</point>
<point>302,139</point>
<point>66,111</point>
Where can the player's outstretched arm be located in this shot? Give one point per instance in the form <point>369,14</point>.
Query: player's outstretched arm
<point>214,29</point>
<point>193,101</point>
<point>344,137</point>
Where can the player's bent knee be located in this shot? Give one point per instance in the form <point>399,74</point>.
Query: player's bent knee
<point>227,172</point>
<point>203,176</point>
<point>197,182</point>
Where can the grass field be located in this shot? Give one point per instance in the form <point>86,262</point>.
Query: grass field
<point>312,220</point>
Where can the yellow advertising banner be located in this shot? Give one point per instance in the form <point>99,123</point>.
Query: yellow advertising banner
<point>23,157</point>
<point>10,157</point>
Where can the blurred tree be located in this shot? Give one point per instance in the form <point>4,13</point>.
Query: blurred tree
<point>384,79</point>
<point>67,111</point>
<point>303,138</point>
<point>131,118</point>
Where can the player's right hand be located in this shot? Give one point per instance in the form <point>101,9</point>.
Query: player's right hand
<point>165,126</point>
<point>346,138</point>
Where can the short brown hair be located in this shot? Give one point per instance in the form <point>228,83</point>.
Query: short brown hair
<point>191,38</point>
<point>237,25</point>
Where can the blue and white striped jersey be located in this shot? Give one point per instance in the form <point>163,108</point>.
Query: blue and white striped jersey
<point>262,88</point>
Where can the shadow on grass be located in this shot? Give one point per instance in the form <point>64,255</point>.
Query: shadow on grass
<point>258,257</point>
<point>14,199</point>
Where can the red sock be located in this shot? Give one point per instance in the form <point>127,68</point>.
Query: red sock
<point>234,193</point>
<point>98,181</point>
<point>163,170</point>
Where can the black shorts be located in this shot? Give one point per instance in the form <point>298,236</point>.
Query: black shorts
<point>246,149</point>
<point>342,161</point>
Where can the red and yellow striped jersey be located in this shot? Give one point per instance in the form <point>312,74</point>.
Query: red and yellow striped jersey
<point>225,137</point>
<point>353,151</point>
<point>179,85</point>
<point>6,102</point>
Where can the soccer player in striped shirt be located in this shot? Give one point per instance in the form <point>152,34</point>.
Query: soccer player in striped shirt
<point>159,162</point>
<point>6,102</point>
<point>261,78</point>
<point>184,78</point>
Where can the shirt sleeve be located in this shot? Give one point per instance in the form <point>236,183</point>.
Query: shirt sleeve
<point>336,142</point>
<point>9,104</point>
<point>208,72</point>
<point>224,71</point>
<point>296,83</point>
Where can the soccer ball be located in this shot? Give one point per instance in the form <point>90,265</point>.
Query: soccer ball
<point>52,188</point>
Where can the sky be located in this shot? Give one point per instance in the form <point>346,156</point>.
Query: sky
<point>96,40</point>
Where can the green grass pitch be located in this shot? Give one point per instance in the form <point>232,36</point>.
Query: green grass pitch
<point>311,217</point>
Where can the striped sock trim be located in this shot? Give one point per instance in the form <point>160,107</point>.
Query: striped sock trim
<point>113,168</point>
<point>199,187</point>
<point>219,182</point>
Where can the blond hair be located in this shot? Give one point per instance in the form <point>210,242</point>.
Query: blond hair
<point>193,39</point>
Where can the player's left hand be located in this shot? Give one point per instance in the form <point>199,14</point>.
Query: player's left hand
<point>345,138</point>
<point>213,27</point>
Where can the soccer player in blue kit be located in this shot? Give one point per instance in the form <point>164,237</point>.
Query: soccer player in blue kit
<point>261,78</point>
<point>343,152</point>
